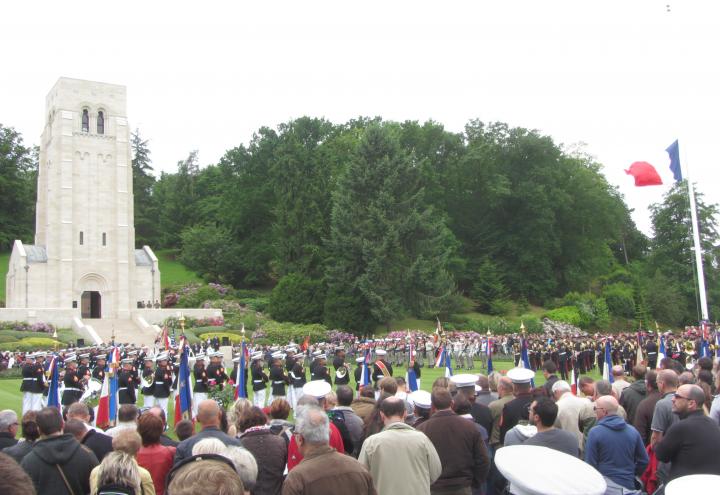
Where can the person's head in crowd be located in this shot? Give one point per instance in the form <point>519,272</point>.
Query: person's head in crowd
<point>549,368</point>
<point>441,382</point>
<point>15,481</point>
<point>127,441</point>
<point>76,428</point>
<point>9,422</point>
<point>205,476</point>
<point>239,408</point>
<point>127,413</point>
<point>504,387</point>
<point>367,392</point>
<point>543,411</point>
<point>603,388</point>
<point>330,400</point>
<point>461,404</point>
<point>252,418</point>
<point>484,383</point>
<point>208,446</point>
<point>651,380</point>
<point>388,385</point>
<point>280,409</point>
<point>440,399</point>
<point>79,410</point>
<point>401,384</point>
<point>705,376</point>
<point>667,381</point>
<point>160,413</point>
<point>686,378</point>
<point>119,469</point>
<point>245,465</point>
<point>687,399</point>
<point>605,405</point>
<point>308,400</point>
<point>49,421</point>
<point>560,388</point>
<point>494,381</point>
<point>705,363</point>
<point>344,395</point>
<point>29,427</point>
<point>639,371</point>
<point>665,363</point>
<point>312,429</point>
<point>184,429</point>
<point>209,414</point>
<point>393,410</point>
<point>676,366</point>
<point>618,372</point>
<point>708,393</point>
<point>150,428</point>
<point>587,386</point>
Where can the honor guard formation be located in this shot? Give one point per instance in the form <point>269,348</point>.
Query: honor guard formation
<point>350,416</point>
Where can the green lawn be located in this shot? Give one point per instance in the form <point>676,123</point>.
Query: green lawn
<point>4,260</point>
<point>172,272</point>
<point>11,398</point>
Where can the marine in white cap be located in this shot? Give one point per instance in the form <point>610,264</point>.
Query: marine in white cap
<point>381,368</point>
<point>163,382</point>
<point>32,386</point>
<point>278,379</point>
<point>147,381</point>
<point>259,379</point>
<point>74,387</point>
<point>421,402</point>
<point>517,410</point>
<point>200,382</point>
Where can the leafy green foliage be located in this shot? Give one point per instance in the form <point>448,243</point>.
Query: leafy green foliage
<point>619,299</point>
<point>18,178</point>
<point>298,299</point>
<point>489,290</point>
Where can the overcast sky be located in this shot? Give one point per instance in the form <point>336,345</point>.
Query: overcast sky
<point>624,77</point>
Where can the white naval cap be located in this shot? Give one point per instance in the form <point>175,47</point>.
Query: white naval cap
<point>71,359</point>
<point>278,355</point>
<point>421,399</point>
<point>317,388</point>
<point>381,352</point>
<point>256,355</point>
<point>694,483</point>
<point>199,357</point>
<point>163,356</point>
<point>464,380</point>
<point>521,375</point>
<point>526,467</point>
<point>361,359</point>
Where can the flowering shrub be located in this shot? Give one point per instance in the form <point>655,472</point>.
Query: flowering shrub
<point>21,326</point>
<point>337,337</point>
<point>170,300</point>
<point>190,322</point>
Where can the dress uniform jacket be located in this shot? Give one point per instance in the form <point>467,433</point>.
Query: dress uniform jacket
<point>73,388</point>
<point>278,381</point>
<point>163,382</point>
<point>127,384</point>
<point>515,411</point>
<point>217,372</point>
<point>297,375</point>
<point>201,379</point>
<point>259,378</point>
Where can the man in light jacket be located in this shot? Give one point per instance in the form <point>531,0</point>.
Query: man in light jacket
<point>400,458</point>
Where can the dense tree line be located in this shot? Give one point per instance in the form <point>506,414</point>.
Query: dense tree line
<point>359,223</point>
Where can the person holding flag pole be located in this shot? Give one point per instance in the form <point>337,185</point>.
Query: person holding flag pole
<point>184,396</point>
<point>241,377</point>
<point>413,372</point>
<point>607,365</point>
<point>54,377</point>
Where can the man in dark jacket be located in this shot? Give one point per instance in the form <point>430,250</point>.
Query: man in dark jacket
<point>644,411</point>
<point>635,393</point>
<point>58,464</point>
<point>8,428</point>
<point>690,445</point>
<point>98,442</point>
<point>549,369</point>
<point>458,442</point>
<point>209,417</point>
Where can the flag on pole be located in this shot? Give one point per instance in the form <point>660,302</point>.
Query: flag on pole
<point>165,338</point>
<point>640,357</point>
<point>717,344</point>
<point>411,375</point>
<point>607,365</point>
<point>114,363</point>
<point>705,348</point>
<point>661,350</point>
<point>525,359</point>
<point>240,385</point>
<point>644,174</point>
<point>440,357</point>
<point>102,419</point>
<point>54,392</point>
<point>674,151</point>
<point>183,398</point>
<point>305,344</point>
<point>573,380</point>
<point>489,356</point>
<point>448,364</point>
<point>365,378</point>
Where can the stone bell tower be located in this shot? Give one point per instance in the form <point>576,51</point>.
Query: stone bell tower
<point>84,256</point>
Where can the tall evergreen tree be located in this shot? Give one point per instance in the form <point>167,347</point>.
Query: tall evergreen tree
<point>388,250</point>
<point>146,214</point>
<point>18,183</point>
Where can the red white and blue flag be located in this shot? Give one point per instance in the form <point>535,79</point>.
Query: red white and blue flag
<point>240,382</point>
<point>184,395</point>
<point>54,392</point>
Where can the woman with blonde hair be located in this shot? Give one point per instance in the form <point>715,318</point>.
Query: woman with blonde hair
<point>126,442</point>
<point>240,407</point>
<point>117,473</point>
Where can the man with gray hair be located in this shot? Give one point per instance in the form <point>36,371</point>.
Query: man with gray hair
<point>569,409</point>
<point>8,428</point>
<point>323,470</point>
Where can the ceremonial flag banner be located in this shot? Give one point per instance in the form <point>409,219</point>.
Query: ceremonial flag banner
<point>607,365</point>
<point>440,358</point>
<point>183,399</point>
<point>525,359</point>
<point>645,174</point>
<point>102,419</point>
<point>573,381</point>
<point>240,382</point>
<point>54,392</point>
<point>674,152</point>
<point>411,375</point>
<point>365,379</point>
<point>448,364</point>
<point>114,362</point>
<point>489,356</point>
<point>661,350</point>
<point>640,357</point>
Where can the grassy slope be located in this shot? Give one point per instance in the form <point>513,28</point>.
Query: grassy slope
<point>4,260</point>
<point>172,272</point>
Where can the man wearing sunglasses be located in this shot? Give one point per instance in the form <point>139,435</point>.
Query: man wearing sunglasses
<point>691,444</point>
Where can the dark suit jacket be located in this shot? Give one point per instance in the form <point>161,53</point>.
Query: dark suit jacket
<point>99,443</point>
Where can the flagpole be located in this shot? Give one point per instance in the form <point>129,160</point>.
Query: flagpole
<point>698,251</point>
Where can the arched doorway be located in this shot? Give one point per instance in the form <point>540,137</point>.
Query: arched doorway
<point>91,304</point>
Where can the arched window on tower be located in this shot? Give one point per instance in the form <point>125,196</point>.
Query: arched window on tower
<point>85,121</point>
<point>100,123</point>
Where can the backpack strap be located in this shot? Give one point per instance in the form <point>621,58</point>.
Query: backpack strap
<point>67,484</point>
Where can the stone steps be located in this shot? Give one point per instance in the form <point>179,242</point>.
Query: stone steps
<point>126,331</point>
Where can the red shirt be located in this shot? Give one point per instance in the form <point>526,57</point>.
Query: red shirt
<point>158,459</point>
<point>294,455</point>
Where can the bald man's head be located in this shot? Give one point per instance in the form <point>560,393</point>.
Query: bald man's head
<point>208,413</point>
<point>608,404</point>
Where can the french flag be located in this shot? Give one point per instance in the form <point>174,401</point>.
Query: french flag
<point>107,404</point>
<point>365,380</point>
<point>411,375</point>
<point>240,387</point>
<point>184,395</point>
<point>489,356</point>
<point>54,392</point>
